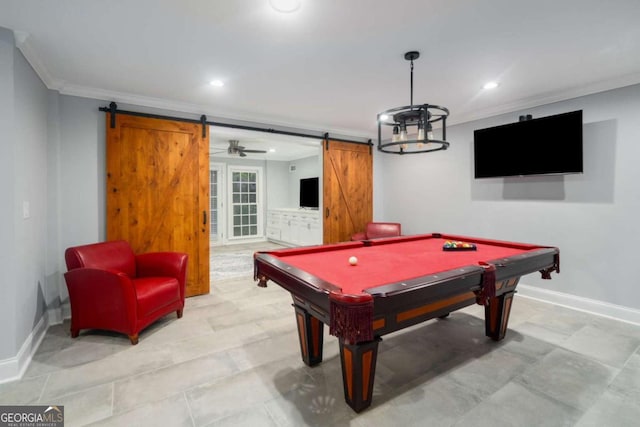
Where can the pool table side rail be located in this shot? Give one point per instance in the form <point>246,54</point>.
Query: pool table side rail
<point>470,239</point>
<point>298,282</point>
<point>420,298</point>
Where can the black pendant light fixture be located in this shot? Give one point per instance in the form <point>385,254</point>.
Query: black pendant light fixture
<point>411,127</point>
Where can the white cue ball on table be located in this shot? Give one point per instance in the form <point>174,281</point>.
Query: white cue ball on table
<point>353,260</point>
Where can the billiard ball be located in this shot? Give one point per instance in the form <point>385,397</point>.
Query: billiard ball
<point>353,260</point>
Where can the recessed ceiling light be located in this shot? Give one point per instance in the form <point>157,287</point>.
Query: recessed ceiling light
<point>272,150</point>
<point>285,6</point>
<point>490,85</point>
<point>216,83</point>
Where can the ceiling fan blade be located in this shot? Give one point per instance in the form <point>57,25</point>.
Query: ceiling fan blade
<point>242,154</point>
<point>253,151</point>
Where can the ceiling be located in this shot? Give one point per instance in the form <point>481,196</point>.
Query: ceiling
<point>333,64</point>
<point>277,147</point>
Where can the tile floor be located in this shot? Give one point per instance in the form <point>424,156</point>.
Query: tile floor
<point>233,359</point>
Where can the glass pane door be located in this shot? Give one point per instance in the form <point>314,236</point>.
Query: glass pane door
<point>214,182</point>
<point>245,204</point>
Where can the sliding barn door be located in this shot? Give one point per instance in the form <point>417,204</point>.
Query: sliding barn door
<point>348,189</point>
<point>158,190</point>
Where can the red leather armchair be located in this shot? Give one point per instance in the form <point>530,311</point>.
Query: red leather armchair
<point>376,230</point>
<point>112,288</point>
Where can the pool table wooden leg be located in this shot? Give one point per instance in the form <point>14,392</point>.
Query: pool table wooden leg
<point>358,372</point>
<point>496,315</point>
<point>310,333</point>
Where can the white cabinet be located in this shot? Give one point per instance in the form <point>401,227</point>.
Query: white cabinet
<point>294,227</point>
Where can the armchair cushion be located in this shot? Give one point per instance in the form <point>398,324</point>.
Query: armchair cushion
<point>377,230</point>
<point>112,288</point>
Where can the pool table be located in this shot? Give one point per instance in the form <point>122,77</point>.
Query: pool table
<point>396,282</point>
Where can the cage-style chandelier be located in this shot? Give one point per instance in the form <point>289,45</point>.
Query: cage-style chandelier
<point>412,126</point>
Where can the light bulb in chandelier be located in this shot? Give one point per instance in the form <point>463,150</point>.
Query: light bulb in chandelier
<point>429,131</point>
<point>395,137</point>
<point>403,132</point>
<point>420,133</point>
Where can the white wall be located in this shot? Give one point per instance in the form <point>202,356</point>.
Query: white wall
<point>277,184</point>
<point>591,217</point>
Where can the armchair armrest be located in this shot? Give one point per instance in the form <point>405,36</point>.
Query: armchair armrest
<point>164,264</point>
<point>97,294</point>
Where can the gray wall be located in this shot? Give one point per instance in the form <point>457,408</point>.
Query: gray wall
<point>591,217</point>
<point>8,211</point>
<point>23,174</point>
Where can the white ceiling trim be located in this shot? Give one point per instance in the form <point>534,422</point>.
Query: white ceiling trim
<point>23,44</point>
<point>549,98</point>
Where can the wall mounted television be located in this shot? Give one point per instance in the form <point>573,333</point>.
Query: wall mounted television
<point>309,193</point>
<point>549,145</point>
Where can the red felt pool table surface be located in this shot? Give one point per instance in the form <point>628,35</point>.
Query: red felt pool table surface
<point>394,260</point>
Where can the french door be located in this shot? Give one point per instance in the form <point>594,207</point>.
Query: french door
<point>216,205</point>
<point>245,209</point>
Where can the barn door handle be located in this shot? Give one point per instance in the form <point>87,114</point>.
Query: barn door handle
<point>326,212</point>
<point>204,217</point>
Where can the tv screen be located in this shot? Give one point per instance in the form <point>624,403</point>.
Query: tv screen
<point>541,146</point>
<point>309,190</point>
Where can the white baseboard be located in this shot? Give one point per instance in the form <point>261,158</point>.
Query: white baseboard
<point>613,311</point>
<point>12,369</point>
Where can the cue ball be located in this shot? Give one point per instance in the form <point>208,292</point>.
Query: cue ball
<point>353,260</point>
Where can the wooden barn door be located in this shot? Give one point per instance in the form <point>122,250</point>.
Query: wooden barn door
<point>158,190</point>
<point>348,189</point>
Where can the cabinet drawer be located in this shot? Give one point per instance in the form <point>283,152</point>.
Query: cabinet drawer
<point>273,233</point>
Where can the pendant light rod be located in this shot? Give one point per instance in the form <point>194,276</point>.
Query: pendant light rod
<point>410,56</point>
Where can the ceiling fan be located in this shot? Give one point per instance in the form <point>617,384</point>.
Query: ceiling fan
<point>236,148</point>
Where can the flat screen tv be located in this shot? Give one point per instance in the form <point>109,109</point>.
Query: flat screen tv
<point>541,146</point>
<point>309,190</point>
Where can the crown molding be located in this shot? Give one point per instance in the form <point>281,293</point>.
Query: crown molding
<point>23,43</point>
<point>216,115</point>
<point>549,98</point>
